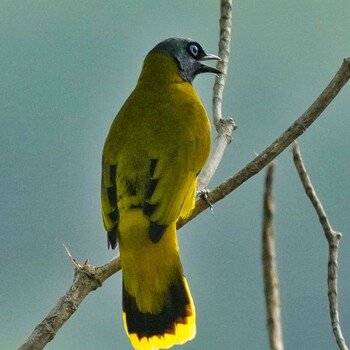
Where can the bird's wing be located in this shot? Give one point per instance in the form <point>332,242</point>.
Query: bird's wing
<point>169,185</point>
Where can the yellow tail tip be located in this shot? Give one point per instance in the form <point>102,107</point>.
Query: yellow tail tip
<point>184,330</point>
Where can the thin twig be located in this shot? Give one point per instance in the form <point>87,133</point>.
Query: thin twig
<point>279,145</point>
<point>224,127</point>
<point>333,238</point>
<point>272,297</point>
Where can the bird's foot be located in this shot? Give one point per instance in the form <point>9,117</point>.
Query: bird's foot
<point>204,194</point>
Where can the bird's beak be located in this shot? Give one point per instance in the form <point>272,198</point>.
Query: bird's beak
<point>207,69</point>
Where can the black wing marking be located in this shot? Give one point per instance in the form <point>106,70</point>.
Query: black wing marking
<point>156,230</point>
<point>109,203</point>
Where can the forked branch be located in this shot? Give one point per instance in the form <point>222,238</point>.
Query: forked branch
<point>333,238</point>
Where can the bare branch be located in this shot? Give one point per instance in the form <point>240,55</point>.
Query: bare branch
<point>86,280</point>
<point>272,297</point>
<point>224,127</point>
<point>279,145</point>
<point>224,54</point>
<point>333,238</point>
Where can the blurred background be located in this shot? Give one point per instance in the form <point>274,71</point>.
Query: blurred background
<point>67,67</point>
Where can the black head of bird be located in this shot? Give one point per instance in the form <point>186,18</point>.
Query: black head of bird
<point>188,55</point>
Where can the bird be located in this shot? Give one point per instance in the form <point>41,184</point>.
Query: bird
<point>156,146</point>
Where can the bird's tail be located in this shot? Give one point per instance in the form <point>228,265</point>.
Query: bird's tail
<point>174,324</point>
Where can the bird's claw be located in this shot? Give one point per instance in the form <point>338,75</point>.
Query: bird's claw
<point>204,194</point>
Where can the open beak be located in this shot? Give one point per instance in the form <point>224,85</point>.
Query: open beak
<point>207,69</point>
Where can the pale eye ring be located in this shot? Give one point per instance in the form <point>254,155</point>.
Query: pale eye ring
<point>194,50</point>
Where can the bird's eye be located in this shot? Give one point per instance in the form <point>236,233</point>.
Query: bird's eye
<point>194,50</point>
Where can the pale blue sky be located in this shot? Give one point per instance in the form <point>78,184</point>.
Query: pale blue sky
<point>66,68</point>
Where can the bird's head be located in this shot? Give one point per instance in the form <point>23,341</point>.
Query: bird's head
<point>188,55</point>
